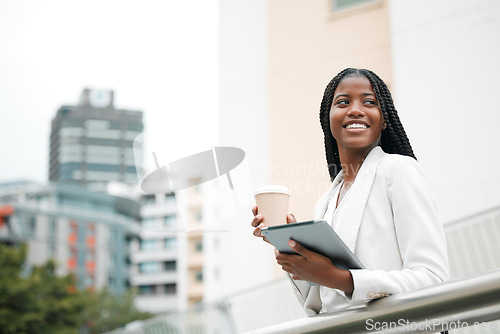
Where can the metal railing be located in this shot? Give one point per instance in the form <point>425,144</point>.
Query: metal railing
<point>447,306</point>
<point>461,303</point>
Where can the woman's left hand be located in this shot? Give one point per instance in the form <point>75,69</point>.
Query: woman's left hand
<point>314,267</point>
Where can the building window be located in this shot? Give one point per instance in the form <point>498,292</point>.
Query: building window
<point>90,235</point>
<point>52,233</point>
<point>97,124</point>
<point>89,256</point>
<point>170,243</point>
<point>70,122</point>
<point>147,290</point>
<point>51,252</point>
<point>170,288</point>
<point>199,276</point>
<point>111,263</point>
<point>170,265</point>
<point>135,127</point>
<point>338,5</point>
<point>199,246</point>
<point>103,167</point>
<point>150,244</point>
<point>149,199</point>
<point>150,223</point>
<point>73,259</point>
<point>28,226</point>
<point>150,267</point>
<point>90,230</point>
<point>170,221</point>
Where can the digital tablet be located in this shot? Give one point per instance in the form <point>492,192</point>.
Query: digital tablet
<point>317,236</point>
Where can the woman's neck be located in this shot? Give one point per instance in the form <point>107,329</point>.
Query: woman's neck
<point>351,162</point>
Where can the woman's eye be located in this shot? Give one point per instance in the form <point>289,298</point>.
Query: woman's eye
<point>370,102</point>
<point>342,102</point>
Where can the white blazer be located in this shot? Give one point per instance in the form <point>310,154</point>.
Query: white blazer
<point>389,221</point>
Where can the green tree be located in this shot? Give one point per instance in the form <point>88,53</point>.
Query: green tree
<point>108,312</point>
<point>42,302</point>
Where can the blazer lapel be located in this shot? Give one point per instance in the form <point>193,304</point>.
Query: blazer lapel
<point>355,204</point>
<point>322,206</point>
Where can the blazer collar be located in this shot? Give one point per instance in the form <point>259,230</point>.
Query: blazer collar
<point>355,203</point>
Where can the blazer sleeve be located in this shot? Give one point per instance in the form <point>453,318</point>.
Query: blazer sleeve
<point>419,233</point>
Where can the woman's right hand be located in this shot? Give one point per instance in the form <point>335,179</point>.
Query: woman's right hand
<point>257,222</point>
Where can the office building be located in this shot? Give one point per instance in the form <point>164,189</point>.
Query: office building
<point>87,233</point>
<point>156,261</point>
<point>92,143</point>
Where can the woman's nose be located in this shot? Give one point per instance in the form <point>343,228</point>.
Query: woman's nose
<point>355,111</point>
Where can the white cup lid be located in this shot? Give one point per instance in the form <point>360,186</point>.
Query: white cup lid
<point>275,189</point>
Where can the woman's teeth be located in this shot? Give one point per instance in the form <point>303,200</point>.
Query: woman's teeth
<point>356,126</point>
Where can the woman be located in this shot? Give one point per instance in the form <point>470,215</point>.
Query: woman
<point>378,203</point>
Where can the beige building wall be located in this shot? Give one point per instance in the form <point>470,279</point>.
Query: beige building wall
<point>308,45</point>
<point>194,246</point>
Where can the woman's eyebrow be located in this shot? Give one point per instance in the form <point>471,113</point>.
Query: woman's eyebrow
<point>346,95</point>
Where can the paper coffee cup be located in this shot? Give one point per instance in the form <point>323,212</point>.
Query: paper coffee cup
<point>272,203</point>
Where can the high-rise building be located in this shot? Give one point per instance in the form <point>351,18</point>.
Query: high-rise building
<point>93,142</point>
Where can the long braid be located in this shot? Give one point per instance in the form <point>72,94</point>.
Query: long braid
<point>393,138</point>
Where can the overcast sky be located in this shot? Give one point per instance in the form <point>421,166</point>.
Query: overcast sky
<point>159,56</point>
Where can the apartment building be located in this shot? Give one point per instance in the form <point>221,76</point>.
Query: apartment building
<point>87,233</point>
<point>155,255</point>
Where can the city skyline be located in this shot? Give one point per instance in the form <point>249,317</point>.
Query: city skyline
<point>148,54</point>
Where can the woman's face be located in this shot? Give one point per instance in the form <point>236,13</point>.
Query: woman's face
<point>355,118</point>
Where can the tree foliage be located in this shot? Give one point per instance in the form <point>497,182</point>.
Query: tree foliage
<point>108,312</point>
<point>42,302</point>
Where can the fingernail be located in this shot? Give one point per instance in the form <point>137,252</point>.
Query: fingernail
<point>292,243</point>
<point>258,216</point>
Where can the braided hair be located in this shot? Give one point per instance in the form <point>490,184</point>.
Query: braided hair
<point>393,137</point>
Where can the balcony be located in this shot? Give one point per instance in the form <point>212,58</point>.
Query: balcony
<point>153,256</point>
<point>157,303</point>
<point>153,278</point>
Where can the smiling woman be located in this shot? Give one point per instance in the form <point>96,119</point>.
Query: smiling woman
<point>378,203</point>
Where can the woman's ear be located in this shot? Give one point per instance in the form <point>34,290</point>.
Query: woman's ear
<point>384,126</point>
